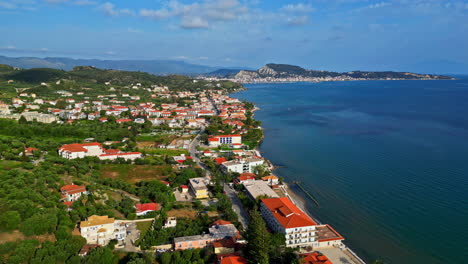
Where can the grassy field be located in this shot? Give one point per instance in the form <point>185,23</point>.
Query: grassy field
<point>132,173</point>
<point>9,164</point>
<point>143,227</point>
<point>169,152</point>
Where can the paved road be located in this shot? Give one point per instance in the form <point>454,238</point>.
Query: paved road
<point>237,206</point>
<point>193,152</point>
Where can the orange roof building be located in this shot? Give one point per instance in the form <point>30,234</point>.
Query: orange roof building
<point>284,217</point>
<point>71,192</point>
<point>315,258</point>
<point>233,260</point>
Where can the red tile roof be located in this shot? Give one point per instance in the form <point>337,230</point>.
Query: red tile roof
<point>72,189</point>
<point>233,260</point>
<point>147,207</point>
<point>286,213</point>
<point>219,161</point>
<point>123,120</point>
<point>315,258</point>
<point>78,147</point>
<point>221,222</point>
<point>30,150</point>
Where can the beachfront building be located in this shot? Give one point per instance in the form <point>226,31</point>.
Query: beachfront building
<point>282,216</point>
<point>245,178</point>
<point>242,165</point>
<point>224,140</point>
<point>199,187</point>
<point>271,180</point>
<point>102,229</point>
<point>259,188</point>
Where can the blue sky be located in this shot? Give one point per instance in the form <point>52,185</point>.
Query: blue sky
<point>320,34</point>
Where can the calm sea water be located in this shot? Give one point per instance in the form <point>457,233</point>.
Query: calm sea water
<point>387,161</point>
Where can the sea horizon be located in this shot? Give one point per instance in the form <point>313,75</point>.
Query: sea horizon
<point>374,154</point>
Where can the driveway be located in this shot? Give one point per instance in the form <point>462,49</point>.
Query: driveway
<point>237,206</point>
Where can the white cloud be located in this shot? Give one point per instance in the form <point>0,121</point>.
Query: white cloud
<point>298,8</point>
<point>18,4</point>
<point>84,3</point>
<point>297,20</point>
<point>194,22</point>
<point>110,9</point>
<point>181,57</point>
<point>55,1</point>
<point>378,5</point>
<point>198,14</point>
<point>155,14</point>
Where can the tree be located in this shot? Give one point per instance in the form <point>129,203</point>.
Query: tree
<point>22,120</point>
<point>258,239</point>
<point>10,220</point>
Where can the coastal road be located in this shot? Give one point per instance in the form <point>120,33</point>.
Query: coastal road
<point>237,206</point>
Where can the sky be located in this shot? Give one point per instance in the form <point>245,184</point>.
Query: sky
<point>341,35</point>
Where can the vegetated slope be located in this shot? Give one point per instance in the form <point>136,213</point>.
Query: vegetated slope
<point>151,66</point>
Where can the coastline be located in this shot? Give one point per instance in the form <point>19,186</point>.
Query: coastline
<point>301,201</point>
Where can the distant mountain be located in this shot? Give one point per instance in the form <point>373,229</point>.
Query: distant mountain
<point>224,73</point>
<point>285,72</point>
<point>160,67</point>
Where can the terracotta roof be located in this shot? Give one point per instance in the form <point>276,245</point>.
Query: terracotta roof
<point>236,135</point>
<point>286,213</point>
<point>119,154</point>
<point>97,220</point>
<point>246,176</point>
<point>221,222</point>
<point>269,177</point>
<point>220,160</point>
<point>78,147</point>
<point>72,189</point>
<point>233,260</point>
<point>315,258</point>
<point>147,207</point>
<point>30,150</point>
<point>68,204</point>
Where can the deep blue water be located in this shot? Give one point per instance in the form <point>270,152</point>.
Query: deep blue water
<point>387,161</point>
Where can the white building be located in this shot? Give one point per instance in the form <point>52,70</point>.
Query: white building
<point>74,151</point>
<point>102,229</point>
<point>224,140</point>
<point>259,188</point>
<point>94,149</point>
<point>71,192</point>
<point>242,165</point>
<point>282,216</point>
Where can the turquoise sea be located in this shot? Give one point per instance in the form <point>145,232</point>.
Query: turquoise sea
<point>387,161</point>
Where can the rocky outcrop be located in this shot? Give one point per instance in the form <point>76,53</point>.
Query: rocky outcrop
<point>267,71</point>
<point>246,75</point>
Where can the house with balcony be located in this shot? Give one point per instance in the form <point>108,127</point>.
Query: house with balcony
<point>102,229</point>
<point>199,187</point>
<point>242,165</point>
<point>282,216</point>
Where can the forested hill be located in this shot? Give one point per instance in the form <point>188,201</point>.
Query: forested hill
<point>93,77</point>
<point>272,70</point>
